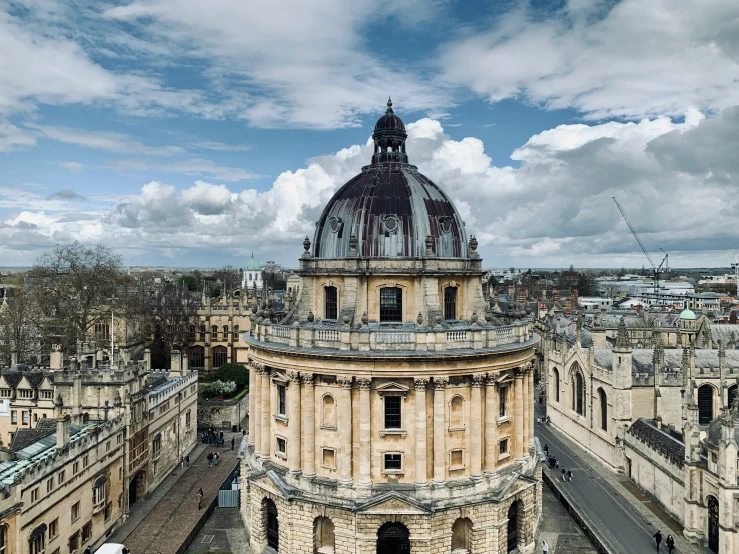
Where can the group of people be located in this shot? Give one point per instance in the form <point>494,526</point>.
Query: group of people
<point>213,459</point>
<point>554,464</point>
<point>185,461</point>
<point>670,542</point>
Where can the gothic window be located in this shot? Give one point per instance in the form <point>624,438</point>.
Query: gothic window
<point>456,419</point>
<point>196,357</point>
<point>578,389</point>
<point>705,404</point>
<point>225,332</point>
<point>332,303</point>
<point>329,411</point>
<point>220,356</point>
<point>732,395</point>
<point>450,303</point>
<point>391,304</point>
<point>555,384</point>
<point>603,409</point>
<point>202,332</point>
<point>214,333</point>
<point>392,412</point>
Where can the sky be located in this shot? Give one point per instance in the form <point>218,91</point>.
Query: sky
<point>190,133</point>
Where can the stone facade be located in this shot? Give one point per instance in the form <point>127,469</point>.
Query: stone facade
<point>390,411</point>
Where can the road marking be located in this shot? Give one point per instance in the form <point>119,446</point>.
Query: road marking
<point>207,538</point>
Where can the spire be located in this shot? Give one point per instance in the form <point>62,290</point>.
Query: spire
<point>657,353</point>
<point>389,106</point>
<point>622,337</point>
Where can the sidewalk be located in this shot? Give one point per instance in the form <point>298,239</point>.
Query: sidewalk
<point>622,487</point>
<point>162,523</point>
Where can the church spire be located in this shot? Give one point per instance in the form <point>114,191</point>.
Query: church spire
<point>622,336</point>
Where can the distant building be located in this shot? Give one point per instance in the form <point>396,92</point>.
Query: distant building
<point>252,275</point>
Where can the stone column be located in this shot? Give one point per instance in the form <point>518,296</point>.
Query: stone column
<point>266,411</point>
<point>532,403</point>
<point>253,393</point>
<point>491,425</point>
<point>309,426</point>
<point>476,428</point>
<point>345,430</point>
<point>365,420</point>
<point>518,414</point>
<point>258,410</point>
<point>439,431</point>
<point>420,400</point>
<point>293,443</point>
<point>526,410</point>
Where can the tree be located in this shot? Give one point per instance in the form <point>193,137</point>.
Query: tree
<point>17,331</point>
<point>228,278</point>
<point>610,290</point>
<point>586,285</point>
<point>74,287</point>
<point>170,313</point>
<point>189,282</point>
<point>234,372</point>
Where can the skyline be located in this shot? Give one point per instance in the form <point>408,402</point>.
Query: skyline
<point>169,132</point>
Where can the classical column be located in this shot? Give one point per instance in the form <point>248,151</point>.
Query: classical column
<point>345,430</point>
<point>293,443</point>
<point>439,431</point>
<point>259,370</point>
<point>266,411</point>
<point>532,403</point>
<point>526,410</point>
<point>365,419</point>
<point>420,400</point>
<point>476,427</point>
<point>518,414</point>
<point>491,425</point>
<point>252,402</point>
<point>309,426</point>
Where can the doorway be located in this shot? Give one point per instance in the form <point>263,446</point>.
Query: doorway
<point>136,489</point>
<point>393,538</point>
<point>713,514</point>
<point>513,527</point>
<point>273,527</point>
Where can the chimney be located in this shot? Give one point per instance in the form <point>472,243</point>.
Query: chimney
<point>13,357</point>
<point>63,426</point>
<point>176,361</point>
<point>185,366</point>
<point>56,359</point>
<point>147,359</point>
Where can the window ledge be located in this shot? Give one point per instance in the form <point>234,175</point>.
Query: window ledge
<point>505,419</point>
<point>280,455</point>
<point>393,472</point>
<point>281,418</point>
<point>393,432</point>
<point>330,468</point>
<point>328,427</point>
<point>452,429</point>
<point>457,468</point>
<point>504,456</point>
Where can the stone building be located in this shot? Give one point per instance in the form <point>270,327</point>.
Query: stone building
<point>62,486</point>
<point>252,275</point>
<point>388,412</point>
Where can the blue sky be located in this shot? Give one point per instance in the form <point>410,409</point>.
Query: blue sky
<point>190,133</point>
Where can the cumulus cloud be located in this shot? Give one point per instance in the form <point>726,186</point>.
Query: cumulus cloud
<point>606,59</point>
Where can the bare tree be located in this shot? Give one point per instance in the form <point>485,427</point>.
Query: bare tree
<point>17,330</point>
<point>73,287</point>
<point>170,314</point>
<point>228,278</point>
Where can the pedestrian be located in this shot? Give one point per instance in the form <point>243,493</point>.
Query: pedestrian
<point>546,449</point>
<point>556,463</point>
<point>564,473</point>
<point>670,543</point>
<point>233,441</point>
<point>221,436</point>
<point>200,498</point>
<point>569,475</point>
<point>215,458</point>
<point>544,547</point>
<point>538,421</point>
<point>187,461</point>
<point>243,432</point>
<point>658,539</point>
<point>182,461</point>
<point>210,459</point>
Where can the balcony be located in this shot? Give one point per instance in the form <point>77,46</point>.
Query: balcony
<point>391,337</point>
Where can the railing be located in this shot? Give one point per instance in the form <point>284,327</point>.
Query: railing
<point>457,336</point>
<point>327,335</point>
<point>503,332</point>
<point>281,331</point>
<point>391,337</point>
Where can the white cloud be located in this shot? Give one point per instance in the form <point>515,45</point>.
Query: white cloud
<point>662,57</point>
<point>74,167</point>
<point>12,137</point>
<point>191,166</point>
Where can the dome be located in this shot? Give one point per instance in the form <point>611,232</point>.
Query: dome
<point>252,264</point>
<point>390,208</point>
<point>687,313</point>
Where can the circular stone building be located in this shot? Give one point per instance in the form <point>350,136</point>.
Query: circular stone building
<point>390,411</point>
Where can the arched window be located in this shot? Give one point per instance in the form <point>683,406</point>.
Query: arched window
<point>196,357</point>
<point>3,539</point>
<point>512,527</point>
<point>202,332</point>
<point>225,332</point>
<point>603,409</point>
<point>270,520</point>
<point>331,302</point>
<point>236,332</point>
<point>461,534</point>
<point>323,536</point>
<point>456,419</point>
<point>391,304</point>
<point>732,395</point>
<point>450,303</point>
<point>328,411</point>
<point>555,384</point>
<point>250,276</point>
<point>220,356</point>
<point>214,333</point>
<point>578,390</point>
<point>705,404</point>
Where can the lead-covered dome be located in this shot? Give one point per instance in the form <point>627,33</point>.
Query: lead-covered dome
<point>390,209</point>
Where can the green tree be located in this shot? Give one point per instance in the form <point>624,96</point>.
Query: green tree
<point>234,372</point>
<point>189,281</point>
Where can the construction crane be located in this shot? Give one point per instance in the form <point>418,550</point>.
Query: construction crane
<point>656,269</point>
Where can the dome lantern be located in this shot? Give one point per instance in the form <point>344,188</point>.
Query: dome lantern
<point>389,137</point>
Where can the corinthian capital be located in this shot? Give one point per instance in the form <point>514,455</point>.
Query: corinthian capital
<point>440,383</point>
<point>478,379</point>
<point>420,383</point>
<point>364,383</point>
<point>345,381</point>
<point>294,377</point>
<point>307,379</point>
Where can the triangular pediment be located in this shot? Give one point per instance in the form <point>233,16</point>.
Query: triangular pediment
<point>393,388</point>
<point>392,503</point>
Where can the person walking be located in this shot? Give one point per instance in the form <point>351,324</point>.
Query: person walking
<point>210,459</point>
<point>670,542</point>
<point>187,461</point>
<point>182,461</point>
<point>544,547</point>
<point>200,498</point>
<point>564,473</point>
<point>556,463</point>
<point>233,441</point>
<point>546,449</point>
<point>569,475</point>
<point>538,421</point>
<point>658,539</point>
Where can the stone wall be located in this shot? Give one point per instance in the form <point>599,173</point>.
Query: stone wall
<point>216,412</point>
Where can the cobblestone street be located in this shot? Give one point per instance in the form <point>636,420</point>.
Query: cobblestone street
<point>163,522</point>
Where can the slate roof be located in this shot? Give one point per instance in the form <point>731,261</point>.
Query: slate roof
<point>641,359</point>
<point>24,437</point>
<point>662,442</point>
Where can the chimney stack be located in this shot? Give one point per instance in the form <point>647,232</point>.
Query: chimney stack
<point>147,359</point>
<point>13,357</point>
<point>176,362</point>
<point>63,427</point>
<point>56,360</point>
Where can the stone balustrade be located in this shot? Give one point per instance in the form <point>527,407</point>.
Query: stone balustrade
<point>381,337</point>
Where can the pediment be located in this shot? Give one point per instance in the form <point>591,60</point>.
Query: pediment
<point>393,503</point>
<point>279,377</point>
<point>393,388</point>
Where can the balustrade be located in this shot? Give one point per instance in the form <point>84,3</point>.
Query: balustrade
<point>327,335</point>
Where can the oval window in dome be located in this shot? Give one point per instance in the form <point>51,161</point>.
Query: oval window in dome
<point>334,224</point>
<point>446,224</point>
<point>391,223</point>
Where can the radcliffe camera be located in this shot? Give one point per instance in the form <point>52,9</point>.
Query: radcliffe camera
<point>330,277</point>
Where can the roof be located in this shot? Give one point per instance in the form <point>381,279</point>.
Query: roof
<point>687,313</point>
<point>663,442</point>
<point>252,264</point>
<point>642,359</point>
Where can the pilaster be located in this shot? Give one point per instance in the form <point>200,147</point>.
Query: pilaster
<point>420,409</point>
<point>365,421</point>
<point>439,431</point>
<point>266,411</point>
<point>518,414</point>
<point>476,427</point>
<point>345,430</point>
<point>293,443</point>
<point>308,405</point>
<point>491,424</point>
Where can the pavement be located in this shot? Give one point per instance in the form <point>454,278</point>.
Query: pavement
<point>558,528</point>
<point>620,515</point>
<point>164,521</point>
<point>223,533</point>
